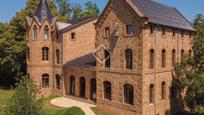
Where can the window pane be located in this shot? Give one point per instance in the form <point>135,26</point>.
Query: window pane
<point>46,32</point>
<point>129,29</point>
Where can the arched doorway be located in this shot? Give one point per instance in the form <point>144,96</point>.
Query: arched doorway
<point>82,87</point>
<point>72,85</point>
<point>93,89</point>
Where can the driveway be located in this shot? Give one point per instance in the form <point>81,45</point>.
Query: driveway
<point>67,103</point>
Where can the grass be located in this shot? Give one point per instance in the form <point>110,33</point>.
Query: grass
<point>4,97</point>
<point>99,111</point>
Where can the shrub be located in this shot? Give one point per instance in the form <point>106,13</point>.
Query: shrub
<point>73,111</point>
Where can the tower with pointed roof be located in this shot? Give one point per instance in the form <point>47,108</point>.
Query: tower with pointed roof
<point>41,50</point>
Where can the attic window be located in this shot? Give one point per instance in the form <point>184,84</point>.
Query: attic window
<point>107,31</point>
<point>73,35</point>
<point>129,29</point>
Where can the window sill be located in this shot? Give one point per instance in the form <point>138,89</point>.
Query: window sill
<point>151,104</point>
<point>130,105</point>
<point>129,35</point>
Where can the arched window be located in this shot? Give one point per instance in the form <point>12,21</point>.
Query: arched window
<point>129,94</point>
<point>190,53</point>
<point>163,91</point>
<point>35,33</point>
<point>128,58</point>
<point>45,80</point>
<point>28,53</point>
<point>107,90</point>
<point>72,85</point>
<point>151,59</point>
<point>93,89</point>
<point>45,53</point>
<point>163,58</point>
<point>182,53</point>
<point>173,57</point>
<point>82,87</point>
<point>107,58</point>
<point>46,32</point>
<point>151,93</point>
<point>57,56</point>
<point>57,81</point>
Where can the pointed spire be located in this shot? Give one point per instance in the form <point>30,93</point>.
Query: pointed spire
<point>43,11</point>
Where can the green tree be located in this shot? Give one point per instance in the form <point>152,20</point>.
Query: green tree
<point>64,9</point>
<point>24,101</point>
<point>76,11</point>
<point>189,77</point>
<point>91,9</point>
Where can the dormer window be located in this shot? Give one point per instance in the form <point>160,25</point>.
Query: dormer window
<point>107,31</point>
<point>129,29</point>
<point>35,33</point>
<point>73,35</point>
<point>46,32</point>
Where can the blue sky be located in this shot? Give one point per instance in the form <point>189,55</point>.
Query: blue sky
<point>189,8</point>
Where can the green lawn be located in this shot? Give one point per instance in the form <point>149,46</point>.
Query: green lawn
<point>48,109</point>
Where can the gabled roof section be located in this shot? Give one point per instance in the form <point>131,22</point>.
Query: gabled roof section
<point>79,22</point>
<point>161,14</point>
<point>43,11</point>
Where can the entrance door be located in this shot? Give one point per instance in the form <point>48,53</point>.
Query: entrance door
<point>82,87</point>
<point>93,89</point>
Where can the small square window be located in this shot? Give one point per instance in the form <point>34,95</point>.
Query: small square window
<point>107,31</point>
<point>73,35</point>
<point>129,29</point>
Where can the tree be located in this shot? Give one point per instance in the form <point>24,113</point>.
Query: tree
<point>64,9</point>
<point>91,9</point>
<point>76,11</point>
<point>189,79</point>
<point>24,101</point>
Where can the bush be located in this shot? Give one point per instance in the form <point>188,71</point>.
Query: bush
<point>24,101</point>
<point>73,111</point>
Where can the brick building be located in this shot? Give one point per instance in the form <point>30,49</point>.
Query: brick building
<point>123,60</point>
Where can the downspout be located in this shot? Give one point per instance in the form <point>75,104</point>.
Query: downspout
<point>155,70</point>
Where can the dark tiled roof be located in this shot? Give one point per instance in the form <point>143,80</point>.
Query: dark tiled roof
<point>43,11</point>
<point>162,14</point>
<point>86,61</point>
<point>76,21</point>
<point>79,21</point>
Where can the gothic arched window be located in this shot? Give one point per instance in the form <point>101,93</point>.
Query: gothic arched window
<point>46,32</point>
<point>57,56</point>
<point>151,59</point>
<point>45,54</point>
<point>35,33</point>
<point>163,58</point>
<point>128,58</point>
<point>107,90</point>
<point>173,57</point>
<point>45,80</point>
<point>151,93</point>
<point>163,91</point>
<point>129,94</point>
<point>57,81</point>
